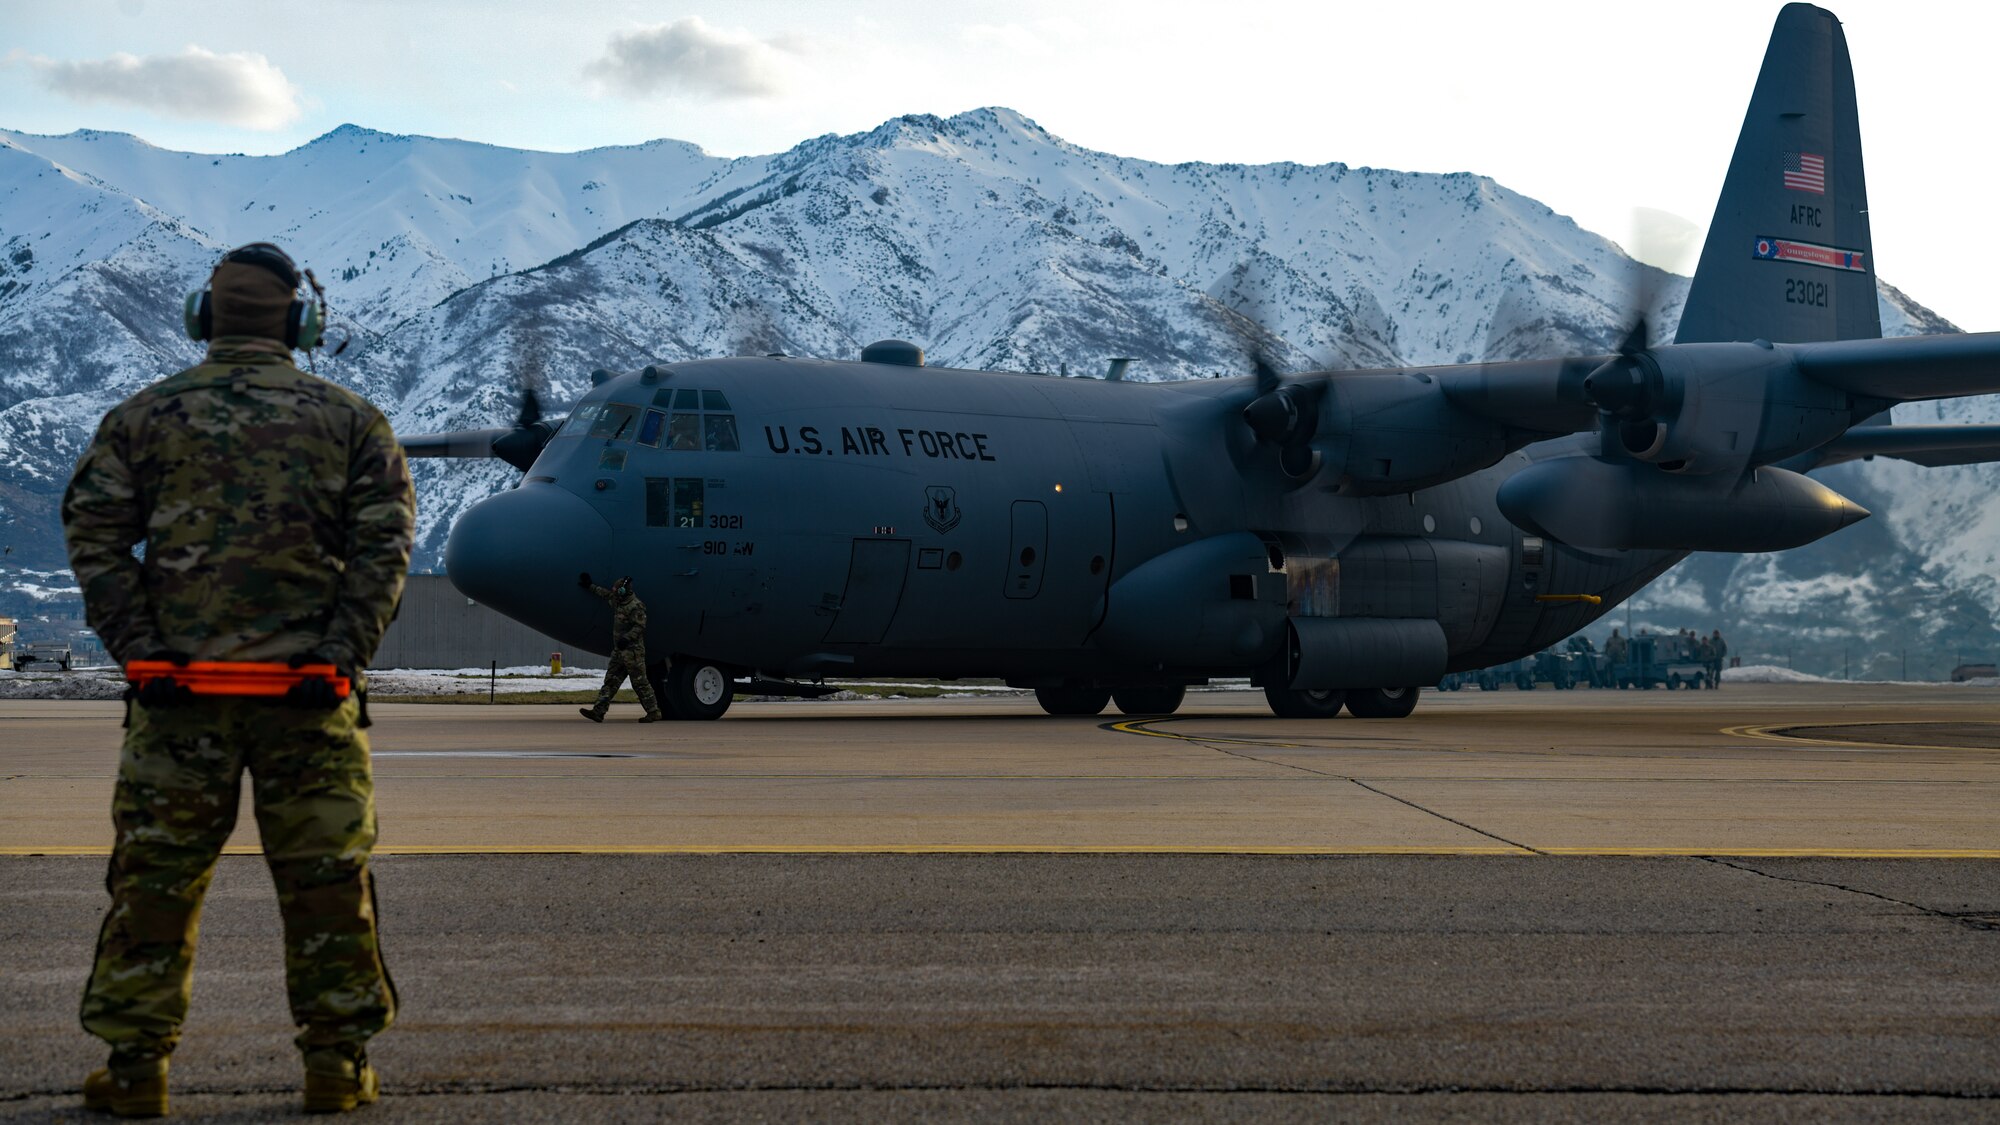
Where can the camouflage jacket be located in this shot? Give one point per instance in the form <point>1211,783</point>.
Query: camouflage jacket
<point>628,617</point>
<point>272,510</point>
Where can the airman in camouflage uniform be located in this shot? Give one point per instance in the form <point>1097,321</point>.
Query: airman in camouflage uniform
<point>275,514</point>
<point>628,650</point>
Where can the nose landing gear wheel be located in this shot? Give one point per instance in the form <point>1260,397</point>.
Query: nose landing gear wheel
<point>1382,703</point>
<point>695,689</point>
<point>1072,700</point>
<point>1157,699</point>
<point>1288,704</point>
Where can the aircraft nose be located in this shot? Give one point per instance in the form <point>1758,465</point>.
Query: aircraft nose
<point>520,552</point>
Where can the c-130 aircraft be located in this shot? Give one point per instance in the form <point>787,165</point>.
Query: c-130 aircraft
<point>1342,538</point>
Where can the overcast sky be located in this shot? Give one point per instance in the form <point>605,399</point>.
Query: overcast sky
<point>1597,109</point>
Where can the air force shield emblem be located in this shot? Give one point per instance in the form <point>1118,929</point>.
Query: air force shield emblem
<point>941,508</point>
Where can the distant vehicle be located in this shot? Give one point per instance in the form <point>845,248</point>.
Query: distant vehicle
<point>1966,672</point>
<point>1654,660</point>
<point>27,656</point>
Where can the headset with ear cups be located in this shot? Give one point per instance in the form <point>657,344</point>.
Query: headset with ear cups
<point>305,320</point>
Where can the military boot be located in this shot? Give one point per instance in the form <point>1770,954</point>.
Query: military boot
<point>136,1089</point>
<point>591,713</point>
<point>651,717</point>
<point>337,1081</point>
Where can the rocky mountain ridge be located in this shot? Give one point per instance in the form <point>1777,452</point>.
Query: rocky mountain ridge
<point>462,272</point>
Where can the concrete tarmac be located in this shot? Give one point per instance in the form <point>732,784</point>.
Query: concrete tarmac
<point>1779,902</point>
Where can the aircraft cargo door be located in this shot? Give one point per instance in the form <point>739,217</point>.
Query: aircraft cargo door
<point>1030,548</point>
<point>875,577</point>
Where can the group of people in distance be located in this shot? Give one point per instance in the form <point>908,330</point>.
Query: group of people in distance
<point>1710,650</point>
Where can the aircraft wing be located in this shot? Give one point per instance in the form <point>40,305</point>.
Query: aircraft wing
<point>457,443</point>
<point>1906,368</point>
<point>1925,445</point>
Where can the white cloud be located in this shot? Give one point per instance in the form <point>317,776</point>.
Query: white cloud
<point>688,56</point>
<point>1036,38</point>
<point>242,88</point>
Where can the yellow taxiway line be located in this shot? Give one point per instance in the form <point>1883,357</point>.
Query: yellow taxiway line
<point>1769,733</point>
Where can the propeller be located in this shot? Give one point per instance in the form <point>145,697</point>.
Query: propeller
<point>1630,392</point>
<point>1285,415</point>
<point>518,446</point>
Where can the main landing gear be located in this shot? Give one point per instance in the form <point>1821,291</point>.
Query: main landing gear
<point>1362,703</point>
<point>1134,699</point>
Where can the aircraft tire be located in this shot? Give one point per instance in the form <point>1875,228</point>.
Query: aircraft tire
<point>696,689</point>
<point>1153,699</point>
<point>1288,704</point>
<point>1382,703</point>
<point>1068,700</point>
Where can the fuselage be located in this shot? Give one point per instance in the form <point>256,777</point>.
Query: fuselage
<point>802,518</point>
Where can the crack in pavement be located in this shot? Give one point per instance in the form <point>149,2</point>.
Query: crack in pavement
<point>1973,919</point>
<point>1198,741</point>
<point>1448,819</point>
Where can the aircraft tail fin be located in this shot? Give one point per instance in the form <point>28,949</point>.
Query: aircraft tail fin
<point>1788,257</point>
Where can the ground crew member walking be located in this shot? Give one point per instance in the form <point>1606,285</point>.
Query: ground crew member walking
<point>275,513</point>
<point>1717,649</point>
<point>628,650</point>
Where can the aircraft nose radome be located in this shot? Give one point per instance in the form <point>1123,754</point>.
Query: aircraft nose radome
<point>520,552</point>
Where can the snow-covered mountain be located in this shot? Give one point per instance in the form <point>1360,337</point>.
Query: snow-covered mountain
<point>463,272</point>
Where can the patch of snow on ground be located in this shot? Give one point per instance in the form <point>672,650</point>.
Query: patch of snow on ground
<point>1772,674</point>
<point>60,685</point>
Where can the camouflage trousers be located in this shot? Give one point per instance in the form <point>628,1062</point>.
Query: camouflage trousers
<point>180,776</point>
<point>627,661</point>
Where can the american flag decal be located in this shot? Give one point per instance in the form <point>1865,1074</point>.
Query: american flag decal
<point>1805,171</point>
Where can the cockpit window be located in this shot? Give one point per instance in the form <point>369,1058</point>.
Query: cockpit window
<point>685,432</point>
<point>649,430</point>
<point>687,419</point>
<point>582,418</point>
<point>616,421</point>
<point>720,432</point>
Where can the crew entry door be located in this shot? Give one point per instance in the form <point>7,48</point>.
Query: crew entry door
<point>875,577</point>
<point>1030,549</point>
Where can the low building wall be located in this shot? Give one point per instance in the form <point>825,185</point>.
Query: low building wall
<point>438,627</point>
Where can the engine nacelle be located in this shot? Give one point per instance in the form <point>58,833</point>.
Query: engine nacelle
<point>1621,505</point>
<point>1714,408</point>
<point>1387,434</point>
